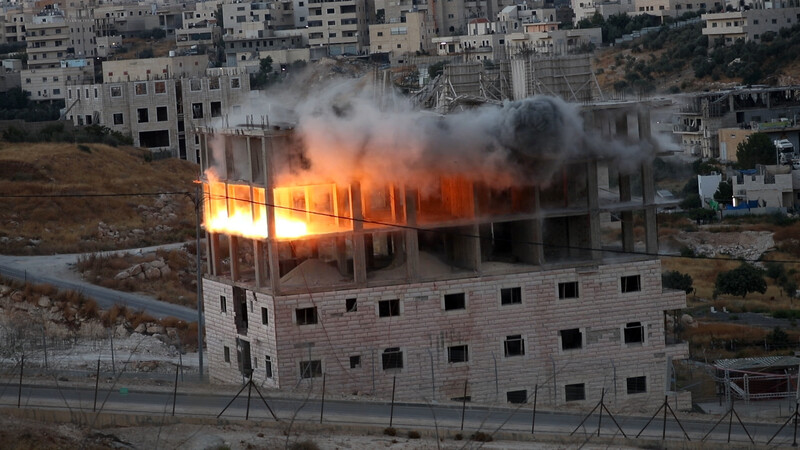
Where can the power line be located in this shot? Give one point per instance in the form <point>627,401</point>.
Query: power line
<point>393,225</point>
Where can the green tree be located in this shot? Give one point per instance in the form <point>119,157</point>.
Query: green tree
<point>691,201</point>
<point>436,69</point>
<point>724,192</point>
<point>741,281</point>
<point>757,149</point>
<point>264,76</point>
<point>778,338</point>
<point>673,279</point>
<point>775,270</point>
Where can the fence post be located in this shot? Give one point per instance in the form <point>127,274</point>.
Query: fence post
<point>96,384</point>
<point>322,405</point>
<point>463,405</point>
<point>21,369</point>
<point>391,410</point>
<point>175,391</point>
<point>535,395</point>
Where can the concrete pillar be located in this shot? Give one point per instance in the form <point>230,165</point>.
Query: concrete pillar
<point>411,237</point>
<point>593,204</point>
<point>341,255</point>
<point>214,260</point>
<point>467,248</point>
<point>359,250</point>
<point>648,197</point>
<point>273,252</point>
<point>529,232</point>
<point>261,261</point>
<point>626,216</point>
<point>233,251</point>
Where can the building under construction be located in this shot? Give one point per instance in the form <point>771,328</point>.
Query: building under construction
<point>459,289</point>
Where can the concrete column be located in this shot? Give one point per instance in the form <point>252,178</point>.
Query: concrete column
<point>626,216</point>
<point>593,204</point>
<point>359,250</point>
<point>273,252</point>
<point>467,248</point>
<point>233,251</point>
<point>648,194</point>
<point>261,258</point>
<point>411,237</point>
<point>214,260</point>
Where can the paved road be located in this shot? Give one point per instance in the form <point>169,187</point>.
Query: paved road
<point>55,270</point>
<point>351,412</point>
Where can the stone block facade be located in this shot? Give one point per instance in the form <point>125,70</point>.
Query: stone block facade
<point>571,331</point>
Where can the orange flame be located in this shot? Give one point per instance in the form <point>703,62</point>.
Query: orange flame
<point>241,210</point>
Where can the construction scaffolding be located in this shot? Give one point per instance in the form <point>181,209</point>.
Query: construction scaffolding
<point>567,76</point>
<point>464,85</point>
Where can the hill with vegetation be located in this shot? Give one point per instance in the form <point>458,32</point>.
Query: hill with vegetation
<point>54,198</point>
<point>681,59</point>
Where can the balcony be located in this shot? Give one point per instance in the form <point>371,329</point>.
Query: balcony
<point>685,129</point>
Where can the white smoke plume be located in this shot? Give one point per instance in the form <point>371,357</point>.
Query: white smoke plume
<point>347,133</point>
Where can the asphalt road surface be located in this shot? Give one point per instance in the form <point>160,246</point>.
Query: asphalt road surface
<point>405,415</point>
<point>55,270</point>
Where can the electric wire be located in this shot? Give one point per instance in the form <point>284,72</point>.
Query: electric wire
<point>401,226</point>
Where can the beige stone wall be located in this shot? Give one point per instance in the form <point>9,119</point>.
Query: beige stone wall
<point>424,331</point>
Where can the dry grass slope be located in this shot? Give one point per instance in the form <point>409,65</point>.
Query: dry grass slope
<point>71,224</point>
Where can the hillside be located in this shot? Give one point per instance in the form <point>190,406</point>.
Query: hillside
<point>674,60</point>
<point>44,225</point>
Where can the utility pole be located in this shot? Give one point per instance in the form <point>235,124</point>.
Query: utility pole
<point>198,201</point>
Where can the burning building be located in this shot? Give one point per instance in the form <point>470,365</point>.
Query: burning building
<point>485,254</point>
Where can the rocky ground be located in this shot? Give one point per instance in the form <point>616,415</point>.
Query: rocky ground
<point>749,245</point>
<point>64,331</point>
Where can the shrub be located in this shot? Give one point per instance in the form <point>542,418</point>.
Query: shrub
<point>389,431</point>
<point>304,445</point>
<point>480,436</point>
<point>413,435</point>
<point>675,280</point>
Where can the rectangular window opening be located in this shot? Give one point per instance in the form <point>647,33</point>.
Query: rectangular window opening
<point>631,283</point>
<point>264,316</point>
<point>306,316</point>
<point>392,358</point>
<point>568,290</point>
<point>571,339</point>
<point>514,345</point>
<point>634,333</point>
<point>520,396</point>
<point>351,305</point>
<point>389,308</point>
<point>637,385</point>
<point>511,296</point>
<point>574,392</point>
<point>457,354</point>
<point>223,304</point>
<point>455,301</point>
<point>355,362</point>
<point>268,366</point>
<point>310,369</point>
<point>226,353</point>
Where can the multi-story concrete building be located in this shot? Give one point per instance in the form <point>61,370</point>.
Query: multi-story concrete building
<point>546,38</point>
<point>764,187</point>
<point>159,101</point>
<point>747,24</point>
<point>340,26</point>
<point>586,9</point>
<point>460,286</point>
<point>772,110</point>
<point>674,8</point>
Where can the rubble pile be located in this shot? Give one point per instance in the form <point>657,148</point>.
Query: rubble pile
<point>749,245</point>
<point>146,271</point>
